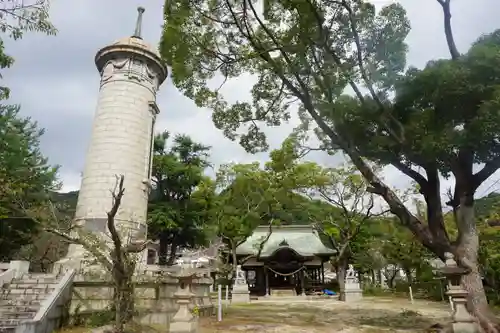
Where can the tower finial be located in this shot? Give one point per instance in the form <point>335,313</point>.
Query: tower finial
<point>138,24</point>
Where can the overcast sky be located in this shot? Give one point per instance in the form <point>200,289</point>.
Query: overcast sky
<point>56,82</point>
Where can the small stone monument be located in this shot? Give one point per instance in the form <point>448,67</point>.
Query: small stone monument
<point>462,321</point>
<point>352,290</point>
<point>183,320</point>
<point>241,294</point>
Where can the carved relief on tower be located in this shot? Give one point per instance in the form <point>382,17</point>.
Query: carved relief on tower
<point>134,69</point>
<point>112,69</point>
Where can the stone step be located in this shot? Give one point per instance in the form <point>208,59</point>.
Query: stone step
<point>18,309</point>
<point>20,302</point>
<point>28,286</point>
<point>14,295</point>
<point>7,328</point>
<point>9,322</point>
<point>35,281</point>
<point>17,315</point>
<point>25,292</point>
<point>37,276</point>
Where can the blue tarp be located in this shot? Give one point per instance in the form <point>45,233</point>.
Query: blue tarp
<point>329,292</point>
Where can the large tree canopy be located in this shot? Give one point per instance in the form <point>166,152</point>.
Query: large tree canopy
<point>311,52</point>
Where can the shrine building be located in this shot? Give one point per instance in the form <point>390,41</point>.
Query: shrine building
<point>291,261</point>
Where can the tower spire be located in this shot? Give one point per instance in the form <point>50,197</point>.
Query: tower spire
<point>138,24</point>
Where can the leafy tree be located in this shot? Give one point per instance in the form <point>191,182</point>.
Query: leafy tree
<point>310,51</point>
<point>401,250</point>
<point>248,197</point>
<point>175,219</point>
<point>25,179</point>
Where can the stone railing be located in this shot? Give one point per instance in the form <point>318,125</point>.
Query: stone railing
<point>154,293</point>
<point>48,317</point>
<point>11,270</point>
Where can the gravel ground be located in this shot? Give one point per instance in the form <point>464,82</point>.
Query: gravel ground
<point>292,315</point>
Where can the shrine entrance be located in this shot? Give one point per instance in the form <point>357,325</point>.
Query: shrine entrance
<point>283,270</point>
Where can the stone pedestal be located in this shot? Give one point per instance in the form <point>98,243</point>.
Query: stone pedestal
<point>183,321</point>
<point>352,290</point>
<point>240,293</point>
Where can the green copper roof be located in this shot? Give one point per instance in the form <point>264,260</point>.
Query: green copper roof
<point>301,238</point>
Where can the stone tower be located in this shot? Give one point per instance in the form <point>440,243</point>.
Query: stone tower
<point>122,136</point>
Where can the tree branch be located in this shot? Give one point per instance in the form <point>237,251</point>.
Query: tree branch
<point>482,175</point>
<point>117,195</point>
<point>445,4</point>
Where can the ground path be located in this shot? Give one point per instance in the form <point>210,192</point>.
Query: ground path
<point>295,315</point>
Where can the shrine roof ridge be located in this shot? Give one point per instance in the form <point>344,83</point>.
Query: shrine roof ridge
<point>303,239</point>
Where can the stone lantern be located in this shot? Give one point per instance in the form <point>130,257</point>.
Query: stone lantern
<point>462,321</point>
<point>183,320</point>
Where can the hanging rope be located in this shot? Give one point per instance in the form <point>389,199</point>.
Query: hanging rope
<point>289,274</point>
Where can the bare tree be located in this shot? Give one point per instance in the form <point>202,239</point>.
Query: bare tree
<point>119,259</point>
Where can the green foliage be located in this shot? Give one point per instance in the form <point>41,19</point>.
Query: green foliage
<point>248,196</point>
<point>432,105</point>
<point>26,179</point>
<point>288,48</point>
<point>489,257</point>
<point>400,248</point>
<point>346,206</point>
<point>180,196</point>
<point>309,52</point>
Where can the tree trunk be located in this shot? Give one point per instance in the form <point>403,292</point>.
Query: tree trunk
<point>173,252</point>
<point>374,278</point>
<point>163,250</point>
<point>341,276</point>
<point>123,302</point>
<point>234,258</point>
<point>467,256</point>
<point>390,275</point>
<point>409,276</point>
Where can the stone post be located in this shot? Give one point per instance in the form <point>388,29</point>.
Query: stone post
<point>183,320</point>
<point>352,290</point>
<point>462,321</point>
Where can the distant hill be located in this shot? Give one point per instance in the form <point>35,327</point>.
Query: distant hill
<point>66,202</point>
<point>484,206</point>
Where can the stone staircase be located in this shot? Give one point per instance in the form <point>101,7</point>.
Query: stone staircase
<point>34,303</point>
<point>21,299</point>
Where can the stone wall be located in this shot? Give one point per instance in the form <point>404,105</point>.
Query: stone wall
<point>155,301</point>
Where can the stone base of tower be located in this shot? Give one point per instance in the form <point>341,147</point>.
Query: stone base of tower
<point>85,264</point>
<point>79,260</point>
